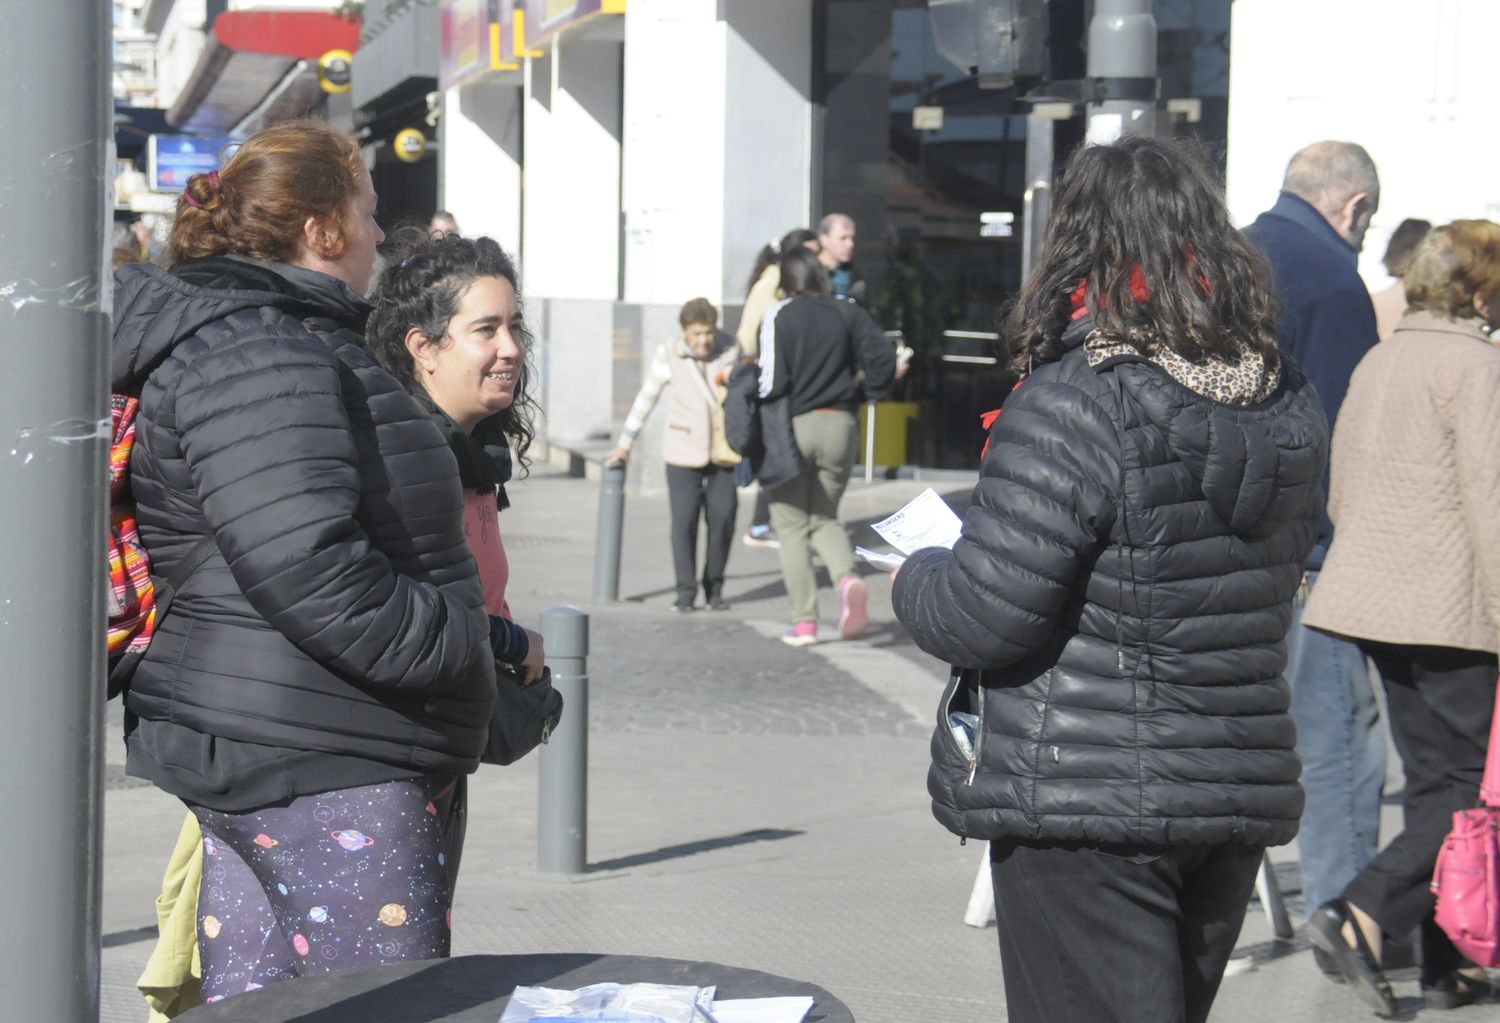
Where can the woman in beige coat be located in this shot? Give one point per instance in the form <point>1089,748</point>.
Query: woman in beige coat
<point>1413,576</point>
<point>693,368</point>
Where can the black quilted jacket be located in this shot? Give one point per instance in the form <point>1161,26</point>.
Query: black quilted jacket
<point>343,612</point>
<point>1124,584</point>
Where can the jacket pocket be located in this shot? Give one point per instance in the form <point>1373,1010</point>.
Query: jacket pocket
<point>959,736</point>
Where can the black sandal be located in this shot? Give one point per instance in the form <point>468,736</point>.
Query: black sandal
<point>1357,963</point>
<point>1455,990</point>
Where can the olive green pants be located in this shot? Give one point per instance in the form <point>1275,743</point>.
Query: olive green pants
<point>804,510</point>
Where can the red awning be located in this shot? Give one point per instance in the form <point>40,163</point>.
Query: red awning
<point>250,54</point>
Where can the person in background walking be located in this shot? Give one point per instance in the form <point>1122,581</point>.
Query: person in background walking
<point>1390,304</point>
<point>763,292</point>
<point>836,253</point>
<point>325,677</point>
<point>1120,596</point>
<point>442,224</point>
<point>1312,237</point>
<point>811,347</point>
<point>700,463</point>
<point>1413,577</point>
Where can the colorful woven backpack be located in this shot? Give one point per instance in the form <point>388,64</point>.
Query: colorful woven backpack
<point>136,601</point>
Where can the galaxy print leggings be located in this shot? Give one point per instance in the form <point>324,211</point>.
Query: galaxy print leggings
<point>334,881</point>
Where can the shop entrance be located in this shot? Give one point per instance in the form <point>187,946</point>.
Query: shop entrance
<point>932,169</point>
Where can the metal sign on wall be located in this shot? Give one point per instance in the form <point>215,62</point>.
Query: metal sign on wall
<point>546,18</point>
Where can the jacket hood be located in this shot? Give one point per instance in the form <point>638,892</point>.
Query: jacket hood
<point>156,309</point>
<point>1258,465</point>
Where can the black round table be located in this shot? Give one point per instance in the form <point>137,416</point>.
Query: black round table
<point>476,989</point>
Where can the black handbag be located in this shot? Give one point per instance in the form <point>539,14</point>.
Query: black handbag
<point>524,716</point>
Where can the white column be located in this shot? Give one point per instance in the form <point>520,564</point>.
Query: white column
<point>673,196</point>
<point>768,129</point>
<point>717,155</point>
<point>571,194</point>
<point>479,162</point>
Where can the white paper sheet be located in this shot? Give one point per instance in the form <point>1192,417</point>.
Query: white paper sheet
<point>925,521</point>
<point>762,1010</point>
<point>889,562</point>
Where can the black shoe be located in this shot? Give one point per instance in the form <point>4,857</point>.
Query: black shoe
<point>1455,990</point>
<point>683,609</point>
<point>718,604</point>
<point>1329,968</point>
<point>1357,963</point>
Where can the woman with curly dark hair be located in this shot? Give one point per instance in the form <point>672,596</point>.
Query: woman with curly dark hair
<point>447,323</point>
<point>1118,602</point>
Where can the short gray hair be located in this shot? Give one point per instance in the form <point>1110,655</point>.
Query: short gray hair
<point>833,220</point>
<point>1326,174</point>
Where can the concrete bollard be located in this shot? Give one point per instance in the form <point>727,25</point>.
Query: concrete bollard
<point>562,779</point>
<point>610,531</point>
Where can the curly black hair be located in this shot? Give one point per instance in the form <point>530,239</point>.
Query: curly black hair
<point>422,287</point>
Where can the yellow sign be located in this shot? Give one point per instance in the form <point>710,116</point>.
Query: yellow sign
<point>336,71</point>
<point>410,145</point>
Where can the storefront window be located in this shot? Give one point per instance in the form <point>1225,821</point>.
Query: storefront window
<point>932,169</point>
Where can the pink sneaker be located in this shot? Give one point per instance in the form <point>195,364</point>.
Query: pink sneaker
<point>801,634</point>
<point>853,620</point>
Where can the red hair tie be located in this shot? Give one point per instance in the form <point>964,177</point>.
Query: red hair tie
<point>213,190</point>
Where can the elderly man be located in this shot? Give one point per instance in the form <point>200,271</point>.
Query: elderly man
<point>1312,237</point>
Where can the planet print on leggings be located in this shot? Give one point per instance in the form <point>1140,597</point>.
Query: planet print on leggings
<point>318,914</point>
<point>300,944</point>
<point>211,927</point>
<point>352,840</point>
<point>266,841</point>
<point>392,914</point>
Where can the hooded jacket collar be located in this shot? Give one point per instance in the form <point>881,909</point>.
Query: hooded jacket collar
<point>156,309</point>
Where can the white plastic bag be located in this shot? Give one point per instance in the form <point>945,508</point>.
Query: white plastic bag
<point>607,1003</point>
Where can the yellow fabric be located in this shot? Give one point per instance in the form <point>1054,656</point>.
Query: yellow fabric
<point>172,979</point>
<point>764,293</point>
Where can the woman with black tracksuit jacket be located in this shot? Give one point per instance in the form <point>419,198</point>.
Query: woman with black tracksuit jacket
<point>1119,599</point>
<point>813,350</point>
<point>323,682</point>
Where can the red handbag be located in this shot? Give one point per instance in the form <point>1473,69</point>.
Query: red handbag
<point>1467,878</point>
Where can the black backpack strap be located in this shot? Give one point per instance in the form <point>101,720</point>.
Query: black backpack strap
<point>201,552</point>
<point>121,669</point>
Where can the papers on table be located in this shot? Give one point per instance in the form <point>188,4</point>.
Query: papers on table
<point>647,1003</point>
<point>925,521</point>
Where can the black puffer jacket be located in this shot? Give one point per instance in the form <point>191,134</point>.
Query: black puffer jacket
<point>343,612</point>
<point>1124,582</point>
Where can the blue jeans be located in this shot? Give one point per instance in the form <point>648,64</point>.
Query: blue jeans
<point>1343,756</point>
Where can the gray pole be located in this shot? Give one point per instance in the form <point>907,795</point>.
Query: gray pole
<point>562,780</point>
<point>54,434</point>
<point>609,533</point>
<point>1122,45</point>
<point>1037,201</point>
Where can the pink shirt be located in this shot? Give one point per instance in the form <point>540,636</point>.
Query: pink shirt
<point>482,529</point>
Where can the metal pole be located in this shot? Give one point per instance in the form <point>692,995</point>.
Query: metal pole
<point>562,780</point>
<point>869,442</point>
<point>610,532</point>
<point>54,434</point>
<point>1037,202</point>
<point>1122,45</point>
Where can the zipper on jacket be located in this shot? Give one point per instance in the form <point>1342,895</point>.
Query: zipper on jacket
<point>978,736</point>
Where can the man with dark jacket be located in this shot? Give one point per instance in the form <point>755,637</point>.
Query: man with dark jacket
<point>1312,237</point>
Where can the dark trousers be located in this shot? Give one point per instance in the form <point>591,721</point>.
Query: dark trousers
<point>700,493</point>
<point>1124,936</point>
<point>762,514</point>
<point>1440,702</point>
